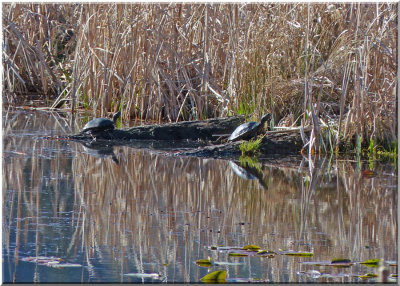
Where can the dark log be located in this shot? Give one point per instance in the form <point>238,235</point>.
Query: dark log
<point>272,143</point>
<point>195,138</point>
<point>191,130</point>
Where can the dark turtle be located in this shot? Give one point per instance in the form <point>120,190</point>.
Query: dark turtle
<point>249,130</point>
<point>98,125</point>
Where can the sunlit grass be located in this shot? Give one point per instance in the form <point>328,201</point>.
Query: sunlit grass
<point>250,148</point>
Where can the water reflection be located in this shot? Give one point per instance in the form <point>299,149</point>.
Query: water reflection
<point>156,213</point>
<point>248,173</point>
<point>99,150</point>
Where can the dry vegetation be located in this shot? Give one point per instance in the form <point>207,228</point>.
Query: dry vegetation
<point>329,65</point>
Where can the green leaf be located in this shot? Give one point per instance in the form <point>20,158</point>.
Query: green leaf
<point>251,247</point>
<point>216,276</point>
<point>205,262</point>
<point>371,262</point>
<point>237,254</point>
<point>303,254</point>
<point>368,275</point>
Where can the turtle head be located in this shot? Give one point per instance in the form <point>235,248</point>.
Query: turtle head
<point>265,118</point>
<point>116,116</point>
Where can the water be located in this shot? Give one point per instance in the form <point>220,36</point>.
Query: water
<point>139,210</point>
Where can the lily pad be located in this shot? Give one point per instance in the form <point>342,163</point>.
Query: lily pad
<point>371,262</point>
<point>302,254</point>
<point>368,275</point>
<point>251,247</point>
<point>237,254</point>
<point>205,262</point>
<point>216,276</point>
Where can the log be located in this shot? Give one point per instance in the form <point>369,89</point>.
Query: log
<point>187,130</point>
<point>271,143</point>
<point>195,138</point>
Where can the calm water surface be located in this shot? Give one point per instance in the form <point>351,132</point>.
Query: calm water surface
<point>141,211</point>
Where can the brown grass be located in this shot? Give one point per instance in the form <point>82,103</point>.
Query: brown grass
<point>170,62</point>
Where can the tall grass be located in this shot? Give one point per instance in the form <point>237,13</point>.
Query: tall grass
<point>170,62</point>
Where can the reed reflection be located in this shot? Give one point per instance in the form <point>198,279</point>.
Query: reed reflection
<point>157,213</point>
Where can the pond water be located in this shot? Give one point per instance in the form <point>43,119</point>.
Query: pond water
<point>72,214</point>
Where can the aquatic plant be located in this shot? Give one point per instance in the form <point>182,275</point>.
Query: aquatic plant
<point>250,148</point>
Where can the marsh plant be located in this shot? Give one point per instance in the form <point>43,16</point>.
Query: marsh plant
<point>327,64</point>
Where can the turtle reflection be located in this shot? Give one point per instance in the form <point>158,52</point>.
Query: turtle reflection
<point>100,151</point>
<point>248,172</point>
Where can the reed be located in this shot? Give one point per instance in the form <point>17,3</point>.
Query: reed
<point>171,62</point>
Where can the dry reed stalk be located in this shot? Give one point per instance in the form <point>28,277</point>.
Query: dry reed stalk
<point>192,61</point>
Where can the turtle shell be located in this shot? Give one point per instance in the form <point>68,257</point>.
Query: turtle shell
<point>98,124</point>
<point>249,129</point>
<point>244,131</point>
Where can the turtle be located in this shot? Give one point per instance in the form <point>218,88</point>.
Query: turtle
<point>249,130</point>
<point>98,125</point>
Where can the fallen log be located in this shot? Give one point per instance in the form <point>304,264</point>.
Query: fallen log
<point>186,130</point>
<point>271,143</point>
<point>195,138</point>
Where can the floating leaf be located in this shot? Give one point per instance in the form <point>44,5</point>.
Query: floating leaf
<point>237,254</point>
<point>371,262</point>
<point>340,260</point>
<point>216,276</point>
<point>205,262</point>
<point>368,275</point>
<point>302,254</point>
<point>251,247</point>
